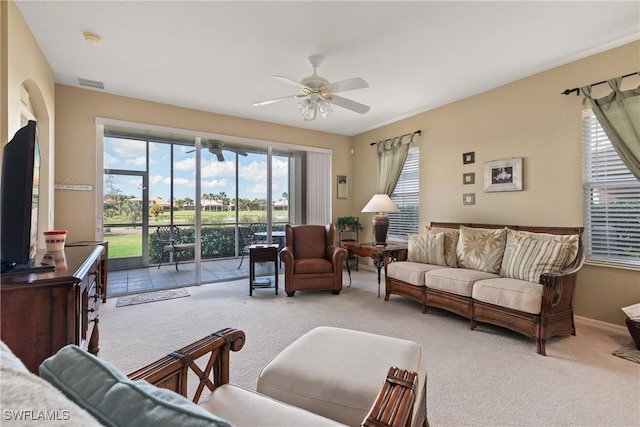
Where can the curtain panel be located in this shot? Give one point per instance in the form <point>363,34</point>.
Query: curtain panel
<point>392,154</point>
<point>619,115</point>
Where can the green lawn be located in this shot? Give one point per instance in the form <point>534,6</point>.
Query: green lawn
<point>124,245</point>
<point>130,245</point>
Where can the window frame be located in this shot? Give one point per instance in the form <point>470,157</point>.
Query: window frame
<point>406,197</point>
<point>611,201</point>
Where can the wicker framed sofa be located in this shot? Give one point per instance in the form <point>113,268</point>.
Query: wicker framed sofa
<point>518,277</point>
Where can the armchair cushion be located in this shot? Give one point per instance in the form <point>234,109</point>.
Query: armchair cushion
<point>313,266</point>
<point>115,400</point>
<point>310,242</point>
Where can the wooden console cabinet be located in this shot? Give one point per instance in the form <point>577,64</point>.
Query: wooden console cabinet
<point>43,312</point>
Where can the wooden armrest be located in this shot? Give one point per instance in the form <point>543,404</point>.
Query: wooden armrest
<point>394,404</point>
<point>171,371</point>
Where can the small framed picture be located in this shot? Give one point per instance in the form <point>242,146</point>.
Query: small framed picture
<point>469,199</point>
<point>343,188</point>
<point>503,175</point>
<point>468,158</point>
<point>469,178</point>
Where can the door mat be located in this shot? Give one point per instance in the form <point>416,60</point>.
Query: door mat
<point>629,352</point>
<point>152,297</point>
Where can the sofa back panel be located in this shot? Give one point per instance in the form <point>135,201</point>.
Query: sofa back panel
<point>532,229</point>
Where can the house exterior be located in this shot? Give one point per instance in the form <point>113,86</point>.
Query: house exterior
<point>528,118</point>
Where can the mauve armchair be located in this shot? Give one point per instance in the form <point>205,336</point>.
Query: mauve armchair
<point>311,259</point>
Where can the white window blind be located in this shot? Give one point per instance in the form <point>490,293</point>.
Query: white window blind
<point>318,188</point>
<point>406,196</point>
<point>611,200</point>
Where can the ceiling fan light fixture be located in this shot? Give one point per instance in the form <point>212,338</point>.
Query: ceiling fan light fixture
<point>325,108</point>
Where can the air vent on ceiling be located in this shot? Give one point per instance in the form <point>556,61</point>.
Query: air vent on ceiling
<point>90,83</point>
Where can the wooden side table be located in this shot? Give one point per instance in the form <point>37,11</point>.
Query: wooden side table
<point>259,254</point>
<point>381,255</point>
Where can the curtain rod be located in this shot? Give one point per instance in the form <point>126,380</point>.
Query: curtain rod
<point>419,132</point>
<point>577,89</point>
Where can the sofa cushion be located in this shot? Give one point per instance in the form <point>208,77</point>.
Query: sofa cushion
<point>573,240</point>
<point>450,243</point>
<point>481,248</point>
<point>426,248</point>
<point>410,272</point>
<point>246,408</point>
<point>526,257</point>
<point>338,372</point>
<point>29,400</point>
<point>457,281</point>
<point>114,399</point>
<point>519,295</point>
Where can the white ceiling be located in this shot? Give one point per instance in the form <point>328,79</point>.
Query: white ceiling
<point>218,56</point>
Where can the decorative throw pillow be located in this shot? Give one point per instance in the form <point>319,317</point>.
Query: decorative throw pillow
<point>573,241</point>
<point>450,243</point>
<point>527,257</point>
<point>426,248</point>
<point>481,248</point>
<point>115,400</point>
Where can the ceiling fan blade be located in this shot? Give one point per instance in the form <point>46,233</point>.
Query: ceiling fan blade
<point>349,84</point>
<point>271,101</point>
<point>349,104</point>
<point>190,151</point>
<point>289,81</point>
<point>220,156</point>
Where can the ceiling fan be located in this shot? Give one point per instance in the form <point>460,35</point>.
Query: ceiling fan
<point>215,147</point>
<point>317,94</point>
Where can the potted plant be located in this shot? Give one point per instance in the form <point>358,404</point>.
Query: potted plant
<point>348,223</point>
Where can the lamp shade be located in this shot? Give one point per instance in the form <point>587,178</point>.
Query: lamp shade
<point>380,203</point>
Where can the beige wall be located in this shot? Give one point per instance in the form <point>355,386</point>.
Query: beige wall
<point>528,118</point>
<point>24,64</point>
<point>76,113</point>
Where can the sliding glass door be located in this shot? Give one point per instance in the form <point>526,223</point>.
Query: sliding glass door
<point>205,188</point>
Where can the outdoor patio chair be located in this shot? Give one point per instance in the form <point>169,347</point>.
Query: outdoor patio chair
<point>172,243</point>
<point>247,239</point>
<point>261,228</point>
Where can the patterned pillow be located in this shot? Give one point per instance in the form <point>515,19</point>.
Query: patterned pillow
<point>526,257</point>
<point>450,243</point>
<point>426,248</point>
<point>573,241</point>
<point>481,248</point>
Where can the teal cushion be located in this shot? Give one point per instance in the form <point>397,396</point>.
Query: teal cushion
<point>115,400</point>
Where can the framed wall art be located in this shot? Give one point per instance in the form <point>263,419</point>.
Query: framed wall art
<point>469,178</point>
<point>503,175</point>
<point>469,198</point>
<point>468,158</point>
<point>343,188</point>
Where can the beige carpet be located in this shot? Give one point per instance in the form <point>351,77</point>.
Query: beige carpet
<point>486,377</point>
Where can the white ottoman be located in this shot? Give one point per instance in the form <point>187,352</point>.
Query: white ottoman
<point>337,373</point>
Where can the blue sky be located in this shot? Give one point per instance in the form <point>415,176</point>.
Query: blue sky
<point>216,176</point>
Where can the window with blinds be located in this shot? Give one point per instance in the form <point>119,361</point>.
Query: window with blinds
<point>611,200</point>
<point>406,197</point>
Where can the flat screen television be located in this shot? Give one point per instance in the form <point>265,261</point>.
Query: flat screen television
<point>19,201</point>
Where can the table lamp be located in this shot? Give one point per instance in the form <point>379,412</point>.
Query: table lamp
<point>380,203</point>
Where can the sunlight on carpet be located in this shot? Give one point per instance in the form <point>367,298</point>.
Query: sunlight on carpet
<point>152,297</point>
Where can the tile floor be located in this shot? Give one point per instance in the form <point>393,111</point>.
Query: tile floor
<point>124,282</point>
